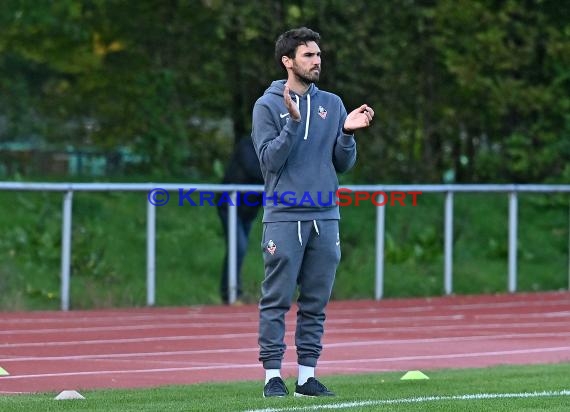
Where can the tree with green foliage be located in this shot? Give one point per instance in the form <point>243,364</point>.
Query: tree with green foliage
<point>467,91</point>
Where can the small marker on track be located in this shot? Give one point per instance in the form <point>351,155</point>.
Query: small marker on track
<point>3,372</point>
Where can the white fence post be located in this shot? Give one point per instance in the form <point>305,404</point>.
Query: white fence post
<point>66,249</point>
<point>380,230</point>
<point>150,254</point>
<point>513,212</point>
<point>232,248</point>
<point>448,244</point>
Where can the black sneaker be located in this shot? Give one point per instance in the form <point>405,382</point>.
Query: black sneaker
<point>275,387</point>
<point>312,388</point>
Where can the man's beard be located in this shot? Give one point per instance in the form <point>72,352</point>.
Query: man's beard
<point>306,77</point>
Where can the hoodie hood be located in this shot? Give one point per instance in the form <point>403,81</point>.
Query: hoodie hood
<point>277,87</point>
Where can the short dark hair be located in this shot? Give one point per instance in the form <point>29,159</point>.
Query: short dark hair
<point>287,43</point>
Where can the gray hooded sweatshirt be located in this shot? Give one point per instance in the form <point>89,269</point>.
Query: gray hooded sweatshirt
<point>300,160</point>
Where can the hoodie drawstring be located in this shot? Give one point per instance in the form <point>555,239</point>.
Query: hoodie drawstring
<point>308,114</point>
<point>299,230</point>
<point>308,117</point>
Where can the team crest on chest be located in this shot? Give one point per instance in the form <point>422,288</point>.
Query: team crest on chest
<point>322,112</point>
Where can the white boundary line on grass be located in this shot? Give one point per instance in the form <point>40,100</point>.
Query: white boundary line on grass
<point>420,399</point>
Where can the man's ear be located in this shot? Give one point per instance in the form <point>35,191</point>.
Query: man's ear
<point>287,62</point>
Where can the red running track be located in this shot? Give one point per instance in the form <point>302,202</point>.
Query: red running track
<point>54,351</point>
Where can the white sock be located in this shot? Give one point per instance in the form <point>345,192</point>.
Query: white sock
<point>305,372</point>
<point>272,373</point>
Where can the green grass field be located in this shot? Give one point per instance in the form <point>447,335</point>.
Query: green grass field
<point>504,388</point>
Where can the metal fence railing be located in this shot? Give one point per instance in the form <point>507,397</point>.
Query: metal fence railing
<point>68,189</point>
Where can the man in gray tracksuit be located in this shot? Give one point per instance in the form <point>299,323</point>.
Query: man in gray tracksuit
<point>303,137</point>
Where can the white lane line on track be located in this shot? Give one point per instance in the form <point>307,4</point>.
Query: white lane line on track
<point>73,317</point>
<point>350,344</point>
<point>151,326</point>
<point>293,364</point>
<point>541,315</point>
<point>449,356</point>
<point>479,327</point>
<point>251,335</point>
<point>253,324</point>
<point>419,399</point>
<point>209,325</point>
<point>331,331</point>
<point>196,312</point>
<point>563,303</point>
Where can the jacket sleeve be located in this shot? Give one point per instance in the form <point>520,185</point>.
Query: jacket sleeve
<point>272,146</point>
<point>344,154</point>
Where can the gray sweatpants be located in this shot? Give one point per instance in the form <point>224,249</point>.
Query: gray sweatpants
<point>304,254</point>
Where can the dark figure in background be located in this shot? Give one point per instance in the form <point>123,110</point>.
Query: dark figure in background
<point>243,168</point>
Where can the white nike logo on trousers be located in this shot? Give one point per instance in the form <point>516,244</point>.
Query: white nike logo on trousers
<point>282,115</point>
